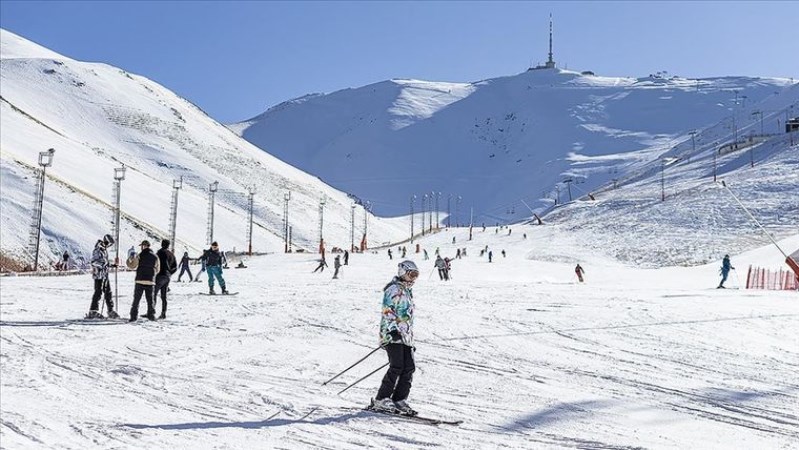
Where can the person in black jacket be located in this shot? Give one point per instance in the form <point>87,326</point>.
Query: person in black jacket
<point>168,266</point>
<point>147,266</point>
<point>184,266</point>
<point>214,259</point>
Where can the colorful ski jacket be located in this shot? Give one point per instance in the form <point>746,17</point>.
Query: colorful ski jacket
<point>397,313</point>
<point>99,261</point>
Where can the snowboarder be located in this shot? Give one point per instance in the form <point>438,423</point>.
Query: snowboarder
<point>214,260</point>
<point>184,266</point>
<point>579,271</point>
<point>490,255</point>
<point>65,263</point>
<point>725,270</point>
<point>439,264</point>
<point>168,266</point>
<point>147,266</point>
<point>396,335</point>
<point>336,266</point>
<point>346,258</point>
<point>321,266</point>
<point>102,287</point>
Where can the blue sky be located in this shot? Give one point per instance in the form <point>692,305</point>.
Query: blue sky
<point>236,59</point>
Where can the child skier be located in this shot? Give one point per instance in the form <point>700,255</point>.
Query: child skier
<point>396,335</point>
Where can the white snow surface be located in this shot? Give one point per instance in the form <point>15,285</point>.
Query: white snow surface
<point>516,348</point>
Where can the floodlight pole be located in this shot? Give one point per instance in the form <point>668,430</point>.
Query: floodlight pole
<point>424,211</point>
<point>322,224</point>
<point>413,200</point>
<point>212,188</point>
<point>449,210</point>
<point>119,175</point>
<point>430,209</point>
<point>438,222</point>
<point>45,160</point>
<point>457,211</point>
<point>286,198</point>
<point>251,201</point>
<point>177,185</point>
<point>352,227</point>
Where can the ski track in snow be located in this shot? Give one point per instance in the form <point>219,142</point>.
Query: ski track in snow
<point>526,357</point>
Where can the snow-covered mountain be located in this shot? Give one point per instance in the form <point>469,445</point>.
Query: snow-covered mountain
<point>498,143</point>
<point>98,117</point>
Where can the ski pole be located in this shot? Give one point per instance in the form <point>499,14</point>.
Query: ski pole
<point>363,378</point>
<point>102,290</point>
<point>356,363</point>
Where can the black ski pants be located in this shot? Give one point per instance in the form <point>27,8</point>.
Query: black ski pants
<point>397,381</point>
<point>441,274</point>
<point>102,288</point>
<point>161,287</point>
<point>183,270</point>
<point>147,290</point>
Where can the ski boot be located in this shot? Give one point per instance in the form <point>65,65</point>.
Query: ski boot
<point>162,316</point>
<point>112,314</point>
<point>405,409</point>
<point>384,405</point>
<point>94,314</point>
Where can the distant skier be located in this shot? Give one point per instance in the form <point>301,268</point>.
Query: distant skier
<point>102,287</point>
<point>346,258</point>
<point>184,266</point>
<point>65,259</point>
<point>321,266</point>
<point>447,268</point>
<point>214,259</point>
<point>396,335</point>
<point>725,270</point>
<point>147,266</point>
<point>203,265</point>
<point>503,252</point>
<point>579,271</point>
<point>453,239</point>
<point>390,255</point>
<point>441,266</point>
<point>403,252</point>
<point>458,254</point>
<point>168,266</point>
<point>490,255</point>
<point>336,266</point>
<point>425,255</point>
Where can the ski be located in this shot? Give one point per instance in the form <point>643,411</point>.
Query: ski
<point>420,419</point>
<point>219,295</point>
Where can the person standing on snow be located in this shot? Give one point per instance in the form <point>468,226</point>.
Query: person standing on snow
<point>184,266</point>
<point>65,264</point>
<point>168,266</point>
<point>725,270</point>
<point>442,268</point>
<point>346,258</point>
<point>102,287</point>
<point>390,256</point>
<point>336,266</point>
<point>203,265</point>
<point>147,266</point>
<point>490,255</point>
<point>579,271</point>
<point>396,336</point>
<point>214,260</point>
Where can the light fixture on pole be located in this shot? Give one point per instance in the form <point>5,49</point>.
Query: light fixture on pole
<point>45,161</point>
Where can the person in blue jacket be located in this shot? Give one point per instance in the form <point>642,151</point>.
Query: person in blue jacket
<point>725,270</point>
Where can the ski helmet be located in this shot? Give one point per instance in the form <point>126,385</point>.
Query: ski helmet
<point>407,267</point>
<point>108,240</point>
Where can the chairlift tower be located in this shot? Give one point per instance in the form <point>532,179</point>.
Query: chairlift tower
<point>212,188</point>
<point>177,185</point>
<point>45,161</point>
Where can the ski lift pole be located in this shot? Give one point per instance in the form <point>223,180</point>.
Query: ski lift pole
<point>350,367</point>
<point>362,378</point>
<point>753,218</point>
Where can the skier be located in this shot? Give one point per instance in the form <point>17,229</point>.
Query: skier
<point>203,265</point>
<point>503,252</point>
<point>102,287</point>
<point>184,266</point>
<point>525,235</point>
<point>346,258</point>
<point>390,256</point>
<point>453,239</point>
<point>168,266</point>
<point>458,254</point>
<point>213,260</point>
<point>439,264</point>
<point>336,266</point>
<point>446,268</point>
<point>510,230</point>
<point>725,270</point>
<point>65,264</point>
<point>425,255</point>
<point>490,255</point>
<point>396,335</point>
<point>403,252</point>
<point>579,271</point>
<point>147,266</point>
<point>321,266</point>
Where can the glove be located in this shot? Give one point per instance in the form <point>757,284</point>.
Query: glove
<point>395,335</point>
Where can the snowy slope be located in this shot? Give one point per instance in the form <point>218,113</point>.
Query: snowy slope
<point>502,141</point>
<point>98,117</point>
<point>634,358</point>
